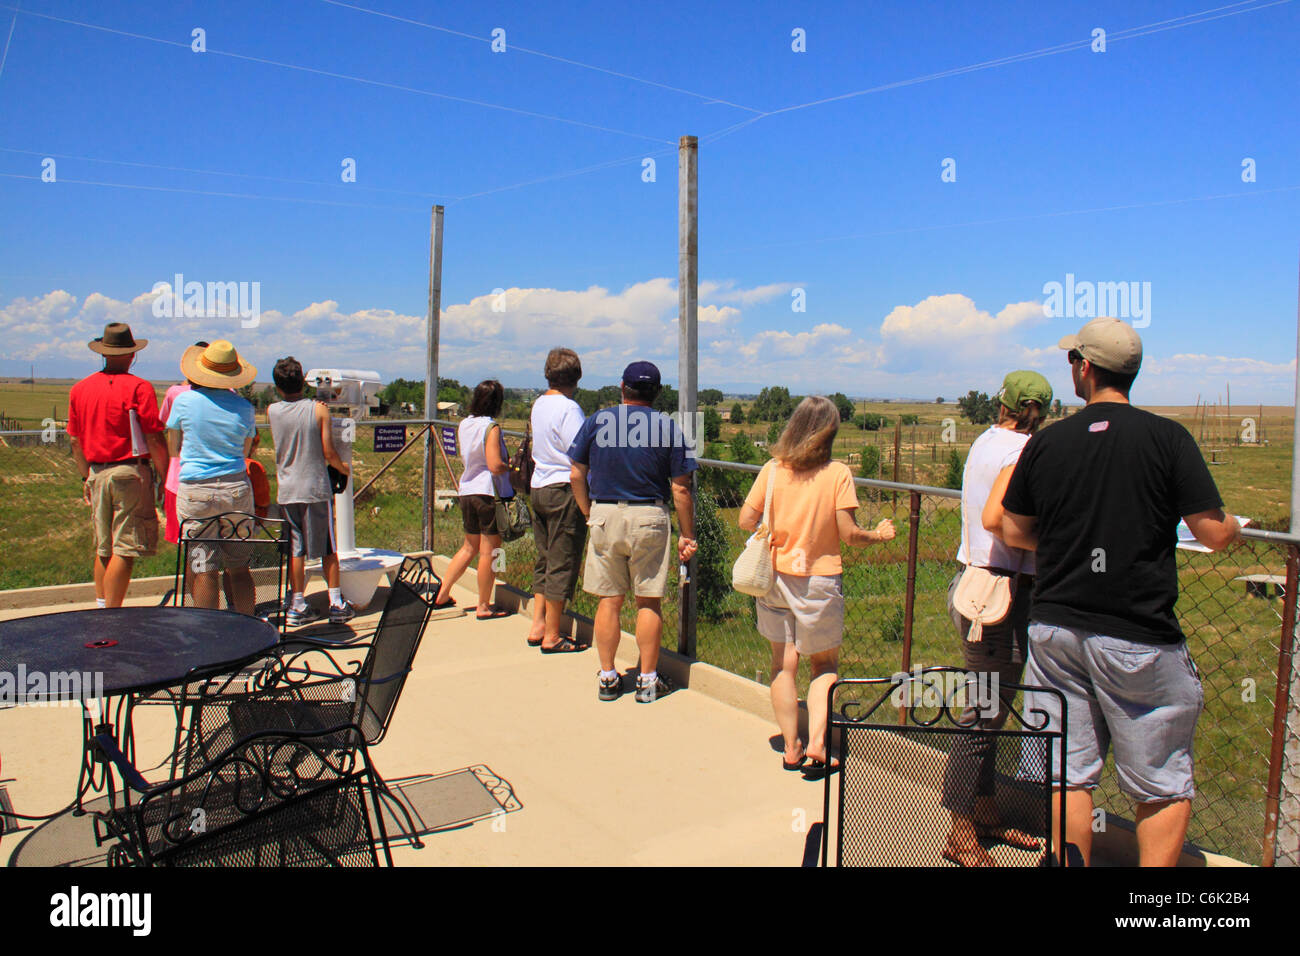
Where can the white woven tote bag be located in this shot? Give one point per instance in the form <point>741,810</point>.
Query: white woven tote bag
<point>752,573</point>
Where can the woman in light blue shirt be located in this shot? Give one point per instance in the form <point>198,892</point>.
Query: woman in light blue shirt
<point>212,428</point>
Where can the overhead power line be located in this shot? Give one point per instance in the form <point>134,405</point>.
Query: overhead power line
<point>210,51</point>
<point>515,48</point>
<point>1008,219</point>
<point>219,172</point>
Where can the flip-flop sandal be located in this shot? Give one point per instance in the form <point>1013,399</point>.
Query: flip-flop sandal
<point>443,605</point>
<point>797,765</point>
<point>1008,835</point>
<point>565,646</point>
<point>976,856</point>
<point>819,769</point>
<point>496,612</point>
<point>537,643</point>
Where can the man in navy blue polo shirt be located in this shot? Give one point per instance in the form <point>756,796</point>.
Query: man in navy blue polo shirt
<point>627,461</point>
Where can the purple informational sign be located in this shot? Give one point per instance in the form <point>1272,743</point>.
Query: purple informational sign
<point>390,437</point>
<point>448,433</point>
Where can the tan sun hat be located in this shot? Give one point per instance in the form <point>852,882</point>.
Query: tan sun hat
<point>217,366</point>
<point>1110,343</point>
<point>117,340</point>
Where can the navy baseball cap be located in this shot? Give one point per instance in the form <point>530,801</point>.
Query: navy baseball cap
<point>641,373</point>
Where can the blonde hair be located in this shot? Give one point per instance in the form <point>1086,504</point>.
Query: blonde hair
<point>806,441</point>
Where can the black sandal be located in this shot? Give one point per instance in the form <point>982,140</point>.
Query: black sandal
<point>565,646</point>
<point>1001,833</point>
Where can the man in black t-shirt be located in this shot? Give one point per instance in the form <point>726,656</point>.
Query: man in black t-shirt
<point>1098,496</point>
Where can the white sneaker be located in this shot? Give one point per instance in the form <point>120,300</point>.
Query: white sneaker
<point>648,691</point>
<point>296,618</point>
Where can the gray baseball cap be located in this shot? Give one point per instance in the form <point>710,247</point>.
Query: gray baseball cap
<point>1109,343</point>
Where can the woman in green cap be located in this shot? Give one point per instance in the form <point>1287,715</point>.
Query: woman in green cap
<point>994,648</point>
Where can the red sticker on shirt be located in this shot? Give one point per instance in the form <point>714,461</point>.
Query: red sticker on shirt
<point>1098,426</point>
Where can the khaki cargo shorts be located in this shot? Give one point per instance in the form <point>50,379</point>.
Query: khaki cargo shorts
<point>122,510</point>
<point>207,499</point>
<point>628,550</point>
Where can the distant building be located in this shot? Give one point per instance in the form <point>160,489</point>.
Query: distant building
<point>449,409</point>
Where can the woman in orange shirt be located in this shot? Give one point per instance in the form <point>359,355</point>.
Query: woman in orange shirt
<point>813,507</point>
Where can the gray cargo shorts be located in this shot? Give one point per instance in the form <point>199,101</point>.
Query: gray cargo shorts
<point>1143,699</point>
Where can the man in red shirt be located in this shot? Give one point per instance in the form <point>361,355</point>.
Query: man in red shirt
<point>115,431</point>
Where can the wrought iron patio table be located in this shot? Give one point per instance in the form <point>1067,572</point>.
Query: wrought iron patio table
<point>102,658</point>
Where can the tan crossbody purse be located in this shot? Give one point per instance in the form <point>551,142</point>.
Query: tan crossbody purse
<point>752,573</point>
<point>983,596</point>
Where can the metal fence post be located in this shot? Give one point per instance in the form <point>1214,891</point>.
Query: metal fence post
<point>1282,794</point>
<point>688,276</point>
<point>913,533</point>
<point>431,375</point>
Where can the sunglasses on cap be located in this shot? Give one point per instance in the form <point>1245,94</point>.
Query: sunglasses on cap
<point>1073,356</point>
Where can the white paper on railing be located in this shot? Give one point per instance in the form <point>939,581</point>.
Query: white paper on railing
<point>1187,541</point>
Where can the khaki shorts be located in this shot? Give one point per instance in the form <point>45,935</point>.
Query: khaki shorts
<point>628,550</point>
<point>206,499</point>
<point>805,609</point>
<point>122,510</point>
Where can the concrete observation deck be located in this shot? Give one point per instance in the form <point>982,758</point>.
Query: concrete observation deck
<point>693,779</point>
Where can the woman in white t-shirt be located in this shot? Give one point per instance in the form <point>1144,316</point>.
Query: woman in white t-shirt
<point>483,448</point>
<point>969,778</point>
<point>559,529</point>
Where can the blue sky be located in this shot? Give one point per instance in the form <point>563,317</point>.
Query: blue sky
<point>1100,165</point>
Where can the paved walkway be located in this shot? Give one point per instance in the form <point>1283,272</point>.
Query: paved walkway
<point>691,779</point>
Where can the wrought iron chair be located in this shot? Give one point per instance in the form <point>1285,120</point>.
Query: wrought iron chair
<point>302,687</point>
<point>273,798</point>
<point>209,544</point>
<point>906,742</point>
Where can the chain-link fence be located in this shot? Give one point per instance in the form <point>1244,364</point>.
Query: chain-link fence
<point>896,618</point>
<point>44,523</point>
<point>1231,604</point>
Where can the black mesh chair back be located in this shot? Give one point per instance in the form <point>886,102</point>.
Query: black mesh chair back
<point>237,540</point>
<point>273,798</point>
<point>303,692</point>
<point>394,645</point>
<point>302,687</point>
<point>916,748</point>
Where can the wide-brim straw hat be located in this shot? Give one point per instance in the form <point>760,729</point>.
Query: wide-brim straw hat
<point>217,366</point>
<point>117,340</point>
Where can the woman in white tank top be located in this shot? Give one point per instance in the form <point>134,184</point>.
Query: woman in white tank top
<point>969,777</point>
<point>483,449</point>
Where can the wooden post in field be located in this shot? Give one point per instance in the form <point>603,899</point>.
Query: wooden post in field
<point>431,375</point>
<point>1231,430</point>
<point>898,435</point>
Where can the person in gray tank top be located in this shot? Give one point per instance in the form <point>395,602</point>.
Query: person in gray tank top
<point>304,445</point>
